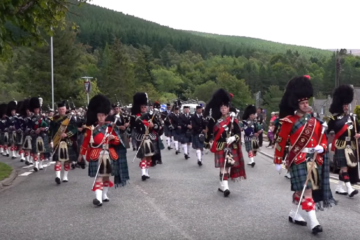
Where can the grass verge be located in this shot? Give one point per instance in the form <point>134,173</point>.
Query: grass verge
<point>5,171</point>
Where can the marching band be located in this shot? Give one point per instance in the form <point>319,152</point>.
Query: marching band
<point>102,133</point>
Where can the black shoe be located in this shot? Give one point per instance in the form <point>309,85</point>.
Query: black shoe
<point>353,193</point>
<point>169,148</point>
<point>186,156</point>
<point>134,149</point>
<point>97,202</point>
<point>65,180</point>
<point>27,163</point>
<point>341,193</point>
<point>143,177</point>
<point>21,160</point>
<point>226,193</point>
<point>35,169</point>
<point>316,229</point>
<point>301,223</point>
<point>147,177</point>
<point>199,163</point>
<point>7,155</point>
<point>176,152</point>
<point>106,200</point>
<point>73,166</point>
<point>57,180</point>
<point>253,164</point>
<point>13,157</point>
<point>159,162</point>
<point>220,190</point>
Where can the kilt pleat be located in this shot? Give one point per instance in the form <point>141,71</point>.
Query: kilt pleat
<point>184,139</point>
<point>196,143</point>
<point>120,169</point>
<point>167,131</point>
<point>340,158</point>
<point>236,171</point>
<point>248,146</point>
<point>299,173</point>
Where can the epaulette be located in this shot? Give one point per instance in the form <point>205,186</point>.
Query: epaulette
<point>287,119</point>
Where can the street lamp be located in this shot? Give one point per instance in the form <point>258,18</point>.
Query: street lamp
<point>87,84</point>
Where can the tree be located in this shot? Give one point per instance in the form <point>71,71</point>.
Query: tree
<point>37,78</point>
<point>242,94</point>
<point>204,91</point>
<point>166,80</point>
<point>23,21</point>
<point>272,98</point>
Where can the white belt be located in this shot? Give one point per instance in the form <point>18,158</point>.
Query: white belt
<point>308,150</point>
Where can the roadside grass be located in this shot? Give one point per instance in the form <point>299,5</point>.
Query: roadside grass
<point>5,171</point>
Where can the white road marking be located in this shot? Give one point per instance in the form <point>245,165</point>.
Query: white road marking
<point>25,174</point>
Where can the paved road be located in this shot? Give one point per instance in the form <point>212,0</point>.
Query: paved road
<point>180,201</point>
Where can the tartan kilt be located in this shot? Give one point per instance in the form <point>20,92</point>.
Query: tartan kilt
<point>93,166</point>
<point>248,146</point>
<point>196,143</point>
<point>46,143</point>
<point>167,131</point>
<point>120,169</point>
<point>161,144</point>
<point>236,171</point>
<point>12,141</point>
<point>1,138</point>
<point>184,139</point>
<point>339,157</point>
<point>20,137</point>
<point>177,135</point>
<point>299,174</point>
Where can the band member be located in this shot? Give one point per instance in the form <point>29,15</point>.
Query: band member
<point>158,131</point>
<point>168,128</point>
<point>306,138</point>
<point>344,143</point>
<point>102,146</point>
<point>39,134</point>
<point>260,122</point>
<point>27,146</point>
<point>198,126</point>
<point>3,139</point>
<point>11,124</point>
<point>174,120</point>
<point>185,131</point>
<point>141,121</point>
<point>63,130</point>
<point>223,129</point>
<point>252,131</point>
<point>20,128</point>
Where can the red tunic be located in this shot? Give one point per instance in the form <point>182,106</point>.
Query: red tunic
<point>285,133</point>
<point>94,153</point>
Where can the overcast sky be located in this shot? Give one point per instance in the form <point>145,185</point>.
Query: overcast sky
<point>326,24</point>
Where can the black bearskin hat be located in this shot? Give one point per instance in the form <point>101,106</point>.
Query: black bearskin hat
<point>157,105</point>
<point>34,103</point>
<point>11,106</point>
<point>298,89</point>
<point>219,98</point>
<point>3,108</point>
<point>250,109</point>
<point>342,95</point>
<point>19,106</point>
<point>139,99</point>
<point>25,106</point>
<point>97,104</point>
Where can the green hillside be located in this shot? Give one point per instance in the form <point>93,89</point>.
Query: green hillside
<point>99,26</point>
<point>265,46</point>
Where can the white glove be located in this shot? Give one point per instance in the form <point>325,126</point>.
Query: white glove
<point>232,114</point>
<point>278,167</point>
<point>52,144</point>
<point>319,149</point>
<point>230,140</point>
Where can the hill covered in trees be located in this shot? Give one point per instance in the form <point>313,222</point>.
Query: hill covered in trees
<point>125,54</point>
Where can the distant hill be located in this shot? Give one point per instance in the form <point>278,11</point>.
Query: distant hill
<point>100,25</point>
